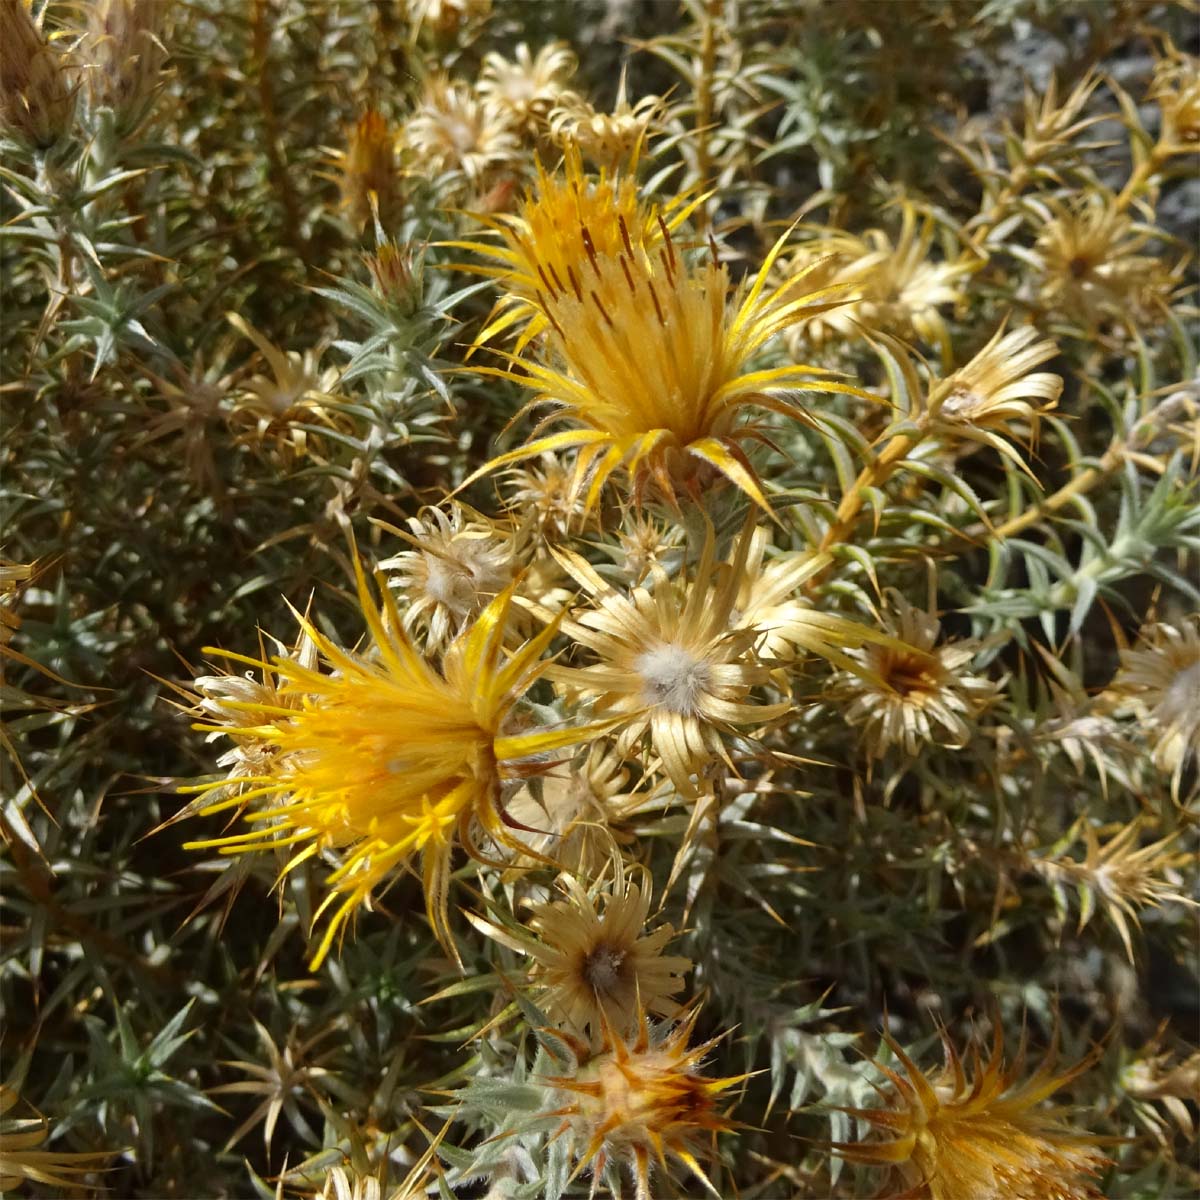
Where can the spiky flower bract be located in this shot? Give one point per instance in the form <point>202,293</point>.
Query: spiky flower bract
<point>649,354</point>
<point>640,1104</point>
<point>23,1161</point>
<point>389,757</point>
<point>977,1129</point>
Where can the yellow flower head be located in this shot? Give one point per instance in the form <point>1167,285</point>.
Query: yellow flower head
<point>978,1132</point>
<point>636,1104</point>
<point>388,756</point>
<point>545,243</point>
<point>648,354</point>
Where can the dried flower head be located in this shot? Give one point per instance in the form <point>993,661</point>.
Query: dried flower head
<point>1176,89</point>
<point>1159,683</point>
<point>527,87</point>
<point>997,397</point>
<point>279,410</point>
<point>12,575</point>
<point>232,703</point>
<point>387,756</point>
<point>596,967</point>
<point>123,53</point>
<point>1093,269</point>
<point>676,659</point>
<point>459,562</point>
<point>576,815</point>
<point>606,139</point>
<point>544,491</point>
<point>893,288</point>
<point>367,174</point>
<point>453,130</point>
<point>913,691</point>
<point>637,1104</point>
<point>1153,1076</point>
<point>1119,876</point>
<point>37,99</point>
<point>446,19</point>
<point>974,1129</point>
<point>649,356</point>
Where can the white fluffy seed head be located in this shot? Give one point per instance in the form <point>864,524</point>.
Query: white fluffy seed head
<point>673,678</point>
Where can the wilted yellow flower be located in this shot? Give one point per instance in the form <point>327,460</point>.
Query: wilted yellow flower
<point>123,55</point>
<point>605,139</point>
<point>913,691</point>
<point>279,409</point>
<point>232,703</point>
<point>367,171</point>
<point>22,1162</point>
<point>677,660</point>
<point>1118,876</point>
<point>998,397</point>
<point>37,99</point>
<point>575,813</point>
<point>972,1130</point>
<point>594,964</point>
<point>636,1104</point>
<point>893,288</point>
<point>453,130</point>
<point>388,757</point>
<point>12,575</point>
<point>526,88</point>
<point>459,562</point>
<point>1159,683</point>
<point>544,492</point>
<point>1093,268</point>
<point>1152,1077</point>
<point>651,353</point>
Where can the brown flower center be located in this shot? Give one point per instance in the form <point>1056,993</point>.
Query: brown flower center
<point>603,968</point>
